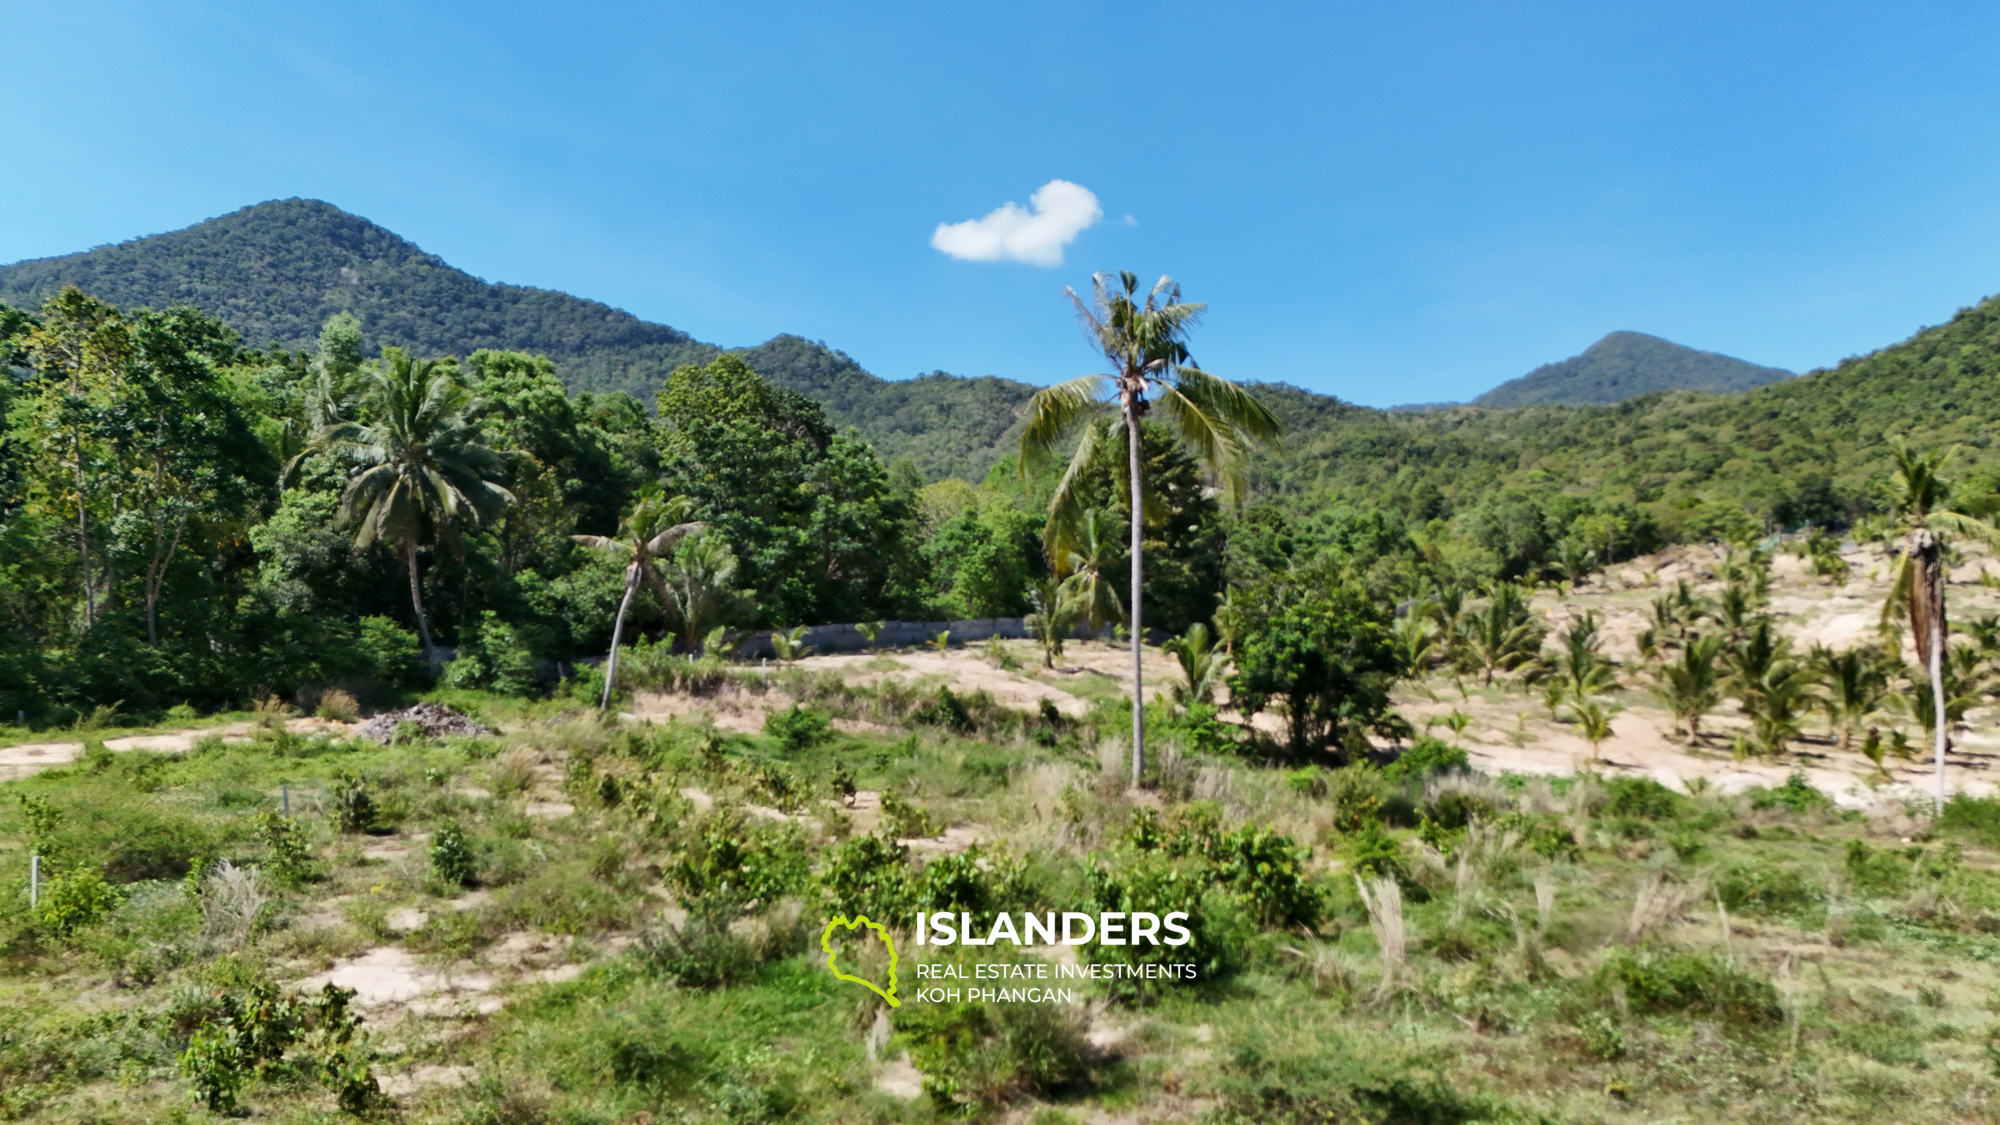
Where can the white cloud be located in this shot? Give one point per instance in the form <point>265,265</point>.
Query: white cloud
<point>1130,221</point>
<point>1035,234</point>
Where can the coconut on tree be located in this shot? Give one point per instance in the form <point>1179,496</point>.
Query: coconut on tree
<point>646,534</point>
<point>424,473</point>
<point>1917,496</point>
<point>1152,373</point>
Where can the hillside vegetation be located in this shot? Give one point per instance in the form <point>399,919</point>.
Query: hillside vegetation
<point>276,271</point>
<point>1626,365</point>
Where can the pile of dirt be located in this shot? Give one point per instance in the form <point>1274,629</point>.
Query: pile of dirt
<point>437,721</point>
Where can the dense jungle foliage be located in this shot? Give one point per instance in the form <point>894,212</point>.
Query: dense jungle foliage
<point>175,529</point>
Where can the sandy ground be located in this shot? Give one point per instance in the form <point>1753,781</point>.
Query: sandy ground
<point>32,757</point>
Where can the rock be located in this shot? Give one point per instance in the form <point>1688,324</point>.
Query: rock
<point>437,721</point>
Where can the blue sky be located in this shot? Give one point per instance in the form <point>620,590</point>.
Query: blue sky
<point>1388,202</point>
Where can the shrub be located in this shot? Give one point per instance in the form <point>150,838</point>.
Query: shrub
<point>1642,797</point>
<point>798,729</point>
<point>1768,890</point>
<point>287,852</point>
<point>354,807</point>
<point>1426,757</point>
<point>81,898</point>
<point>338,705</point>
<point>903,819</point>
<point>868,875</point>
<point>977,1057</point>
<point>1218,930</point>
<point>1689,982</point>
<point>451,856</point>
<point>701,951</point>
<point>956,883</point>
<point>1353,793</point>
<point>722,856</point>
<point>1300,1083</point>
<point>947,710</point>
<point>390,652</point>
<point>246,1035</point>
<point>494,659</point>
<point>1268,871</point>
<point>1308,782</point>
<point>1795,795</point>
<point>1977,817</point>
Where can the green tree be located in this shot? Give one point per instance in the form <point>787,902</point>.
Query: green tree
<point>424,473</point>
<point>1917,494</point>
<point>1502,636</point>
<point>1085,565</point>
<point>1325,650</point>
<point>1152,370</point>
<point>1201,666</point>
<point>650,531</point>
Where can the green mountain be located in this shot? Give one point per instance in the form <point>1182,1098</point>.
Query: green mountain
<point>275,271</point>
<point>1626,365</point>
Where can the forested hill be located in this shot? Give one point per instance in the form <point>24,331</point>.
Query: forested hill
<point>1626,365</point>
<point>275,271</point>
<point>1666,466</point>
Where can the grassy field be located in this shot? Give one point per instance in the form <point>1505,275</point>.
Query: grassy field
<point>582,920</point>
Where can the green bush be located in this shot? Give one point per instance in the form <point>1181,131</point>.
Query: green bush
<point>1354,793</point>
<point>1641,797</point>
<point>354,808</point>
<point>798,729</point>
<point>246,1035</point>
<point>1309,1082</point>
<point>1764,889</point>
<point>1219,931</point>
<point>978,1057</point>
<point>947,710</point>
<point>493,659</point>
<point>701,951</point>
<point>867,875</point>
<point>1795,795</point>
<point>288,853</point>
<point>1977,817</point>
<point>1268,871</point>
<point>451,856</point>
<point>392,653</point>
<point>903,819</point>
<point>1427,756</point>
<point>720,855</point>
<point>1684,982</point>
<point>956,883</point>
<point>81,898</point>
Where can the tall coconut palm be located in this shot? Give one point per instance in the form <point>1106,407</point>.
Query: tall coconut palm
<point>1917,496</point>
<point>425,475</point>
<point>701,586</point>
<point>647,533</point>
<point>1145,341</point>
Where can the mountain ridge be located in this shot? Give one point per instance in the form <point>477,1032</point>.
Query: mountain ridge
<point>1624,365</point>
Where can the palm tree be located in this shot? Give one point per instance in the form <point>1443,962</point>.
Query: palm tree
<point>1083,551</point>
<point>1855,686</point>
<point>425,473</point>
<point>1690,687</point>
<point>1772,687</point>
<point>1054,617</point>
<point>1917,495</point>
<point>1503,636</point>
<point>701,579</point>
<point>1582,672</point>
<point>647,533</point>
<point>1593,721</point>
<point>1415,642</point>
<point>1201,664</point>
<point>1152,372</point>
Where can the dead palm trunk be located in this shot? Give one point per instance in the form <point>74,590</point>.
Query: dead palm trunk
<point>617,632</point>
<point>1927,629</point>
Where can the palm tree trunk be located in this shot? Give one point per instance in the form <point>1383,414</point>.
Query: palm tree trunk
<point>417,601</point>
<point>1138,628</point>
<point>1937,702</point>
<point>617,632</point>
